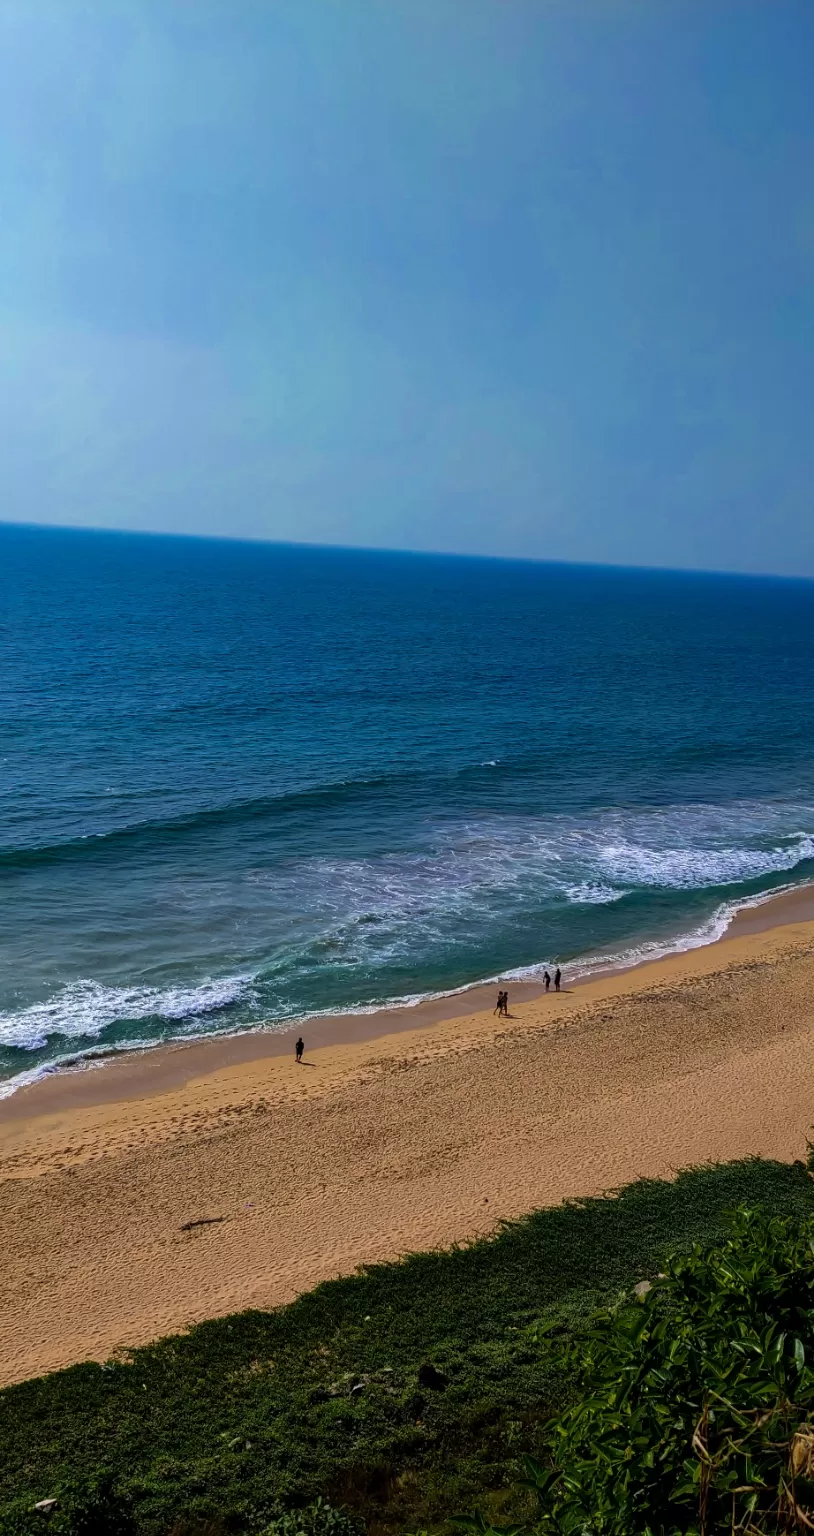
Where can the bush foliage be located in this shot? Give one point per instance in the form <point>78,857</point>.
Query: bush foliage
<point>696,1408</point>
<point>318,1519</point>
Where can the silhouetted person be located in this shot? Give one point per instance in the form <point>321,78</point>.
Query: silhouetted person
<point>501,997</point>
<point>557,979</point>
<point>547,980</point>
<point>505,1005</point>
<point>300,1048</point>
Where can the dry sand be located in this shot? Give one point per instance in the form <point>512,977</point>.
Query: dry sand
<point>382,1143</point>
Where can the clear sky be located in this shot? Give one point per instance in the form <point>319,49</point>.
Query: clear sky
<point>522,277</point>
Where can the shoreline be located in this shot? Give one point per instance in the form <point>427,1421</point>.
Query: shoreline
<point>167,1199</point>
<point>136,1072</point>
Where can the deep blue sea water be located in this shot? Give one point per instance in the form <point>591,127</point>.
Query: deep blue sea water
<point>244,782</point>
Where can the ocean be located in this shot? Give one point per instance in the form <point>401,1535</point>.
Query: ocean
<point>242,784</point>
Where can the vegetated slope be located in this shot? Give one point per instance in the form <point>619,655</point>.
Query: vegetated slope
<point>694,1400</point>
<point>328,1397</point>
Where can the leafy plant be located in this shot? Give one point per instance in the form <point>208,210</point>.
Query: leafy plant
<point>697,1405</point>
<point>83,1507</point>
<point>319,1519</point>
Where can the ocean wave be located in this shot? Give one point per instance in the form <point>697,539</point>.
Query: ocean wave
<point>592,893</point>
<point>700,867</point>
<point>585,966</point>
<point>580,968</point>
<point>195,1003</point>
<point>473,867</point>
<point>707,932</point>
<point>549,856</point>
<point>358,929</point>
<point>32,1075</point>
<point>233,813</point>
<point>83,1009</point>
<point>324,795</point>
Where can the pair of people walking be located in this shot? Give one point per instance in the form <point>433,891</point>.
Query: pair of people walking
<point>502,1004</point>
<point>557,979</point>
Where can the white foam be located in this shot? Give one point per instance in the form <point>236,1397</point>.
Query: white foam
<point>472,875</point>
<point>593,893</point>
<point>708,932</point>
<point>468,877</point>
<point>699,867</point>
<point>85,1008</point>
<point>90,1060</point>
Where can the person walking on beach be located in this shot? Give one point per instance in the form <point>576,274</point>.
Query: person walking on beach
<point>557,979</point>
<point>547,980</point>
<point>501,1001</point>
<point>300,1047</point>
<point>505,1005</point>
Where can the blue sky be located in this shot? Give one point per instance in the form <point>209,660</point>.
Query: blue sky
<point>522,277</point>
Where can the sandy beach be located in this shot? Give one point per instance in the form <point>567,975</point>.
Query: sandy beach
<point>197,1180</point>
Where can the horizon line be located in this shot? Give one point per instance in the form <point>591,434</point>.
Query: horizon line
<point>418,554</point>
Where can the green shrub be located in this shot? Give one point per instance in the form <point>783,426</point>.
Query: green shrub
<point>696,1412</point>
<point>319,1519</point>
<point>95,1509</point>
<point>81,1508</point>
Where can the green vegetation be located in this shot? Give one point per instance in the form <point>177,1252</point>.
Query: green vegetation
<point>694,1403</point>
<point>405,1393</point>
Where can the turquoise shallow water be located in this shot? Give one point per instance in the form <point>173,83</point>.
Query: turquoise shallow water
<point>246,783</point>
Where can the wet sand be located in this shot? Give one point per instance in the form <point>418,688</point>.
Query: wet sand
<point>415,1128</point>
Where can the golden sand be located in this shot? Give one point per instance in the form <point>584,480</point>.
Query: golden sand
<point>379,1144</point>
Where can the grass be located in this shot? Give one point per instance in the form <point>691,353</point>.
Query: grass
<point>327,1396</point>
